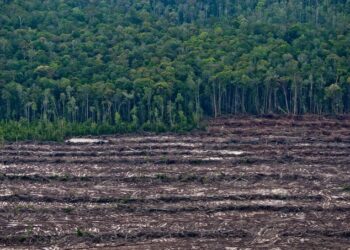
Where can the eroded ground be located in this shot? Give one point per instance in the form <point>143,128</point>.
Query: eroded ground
<point>244,183</point>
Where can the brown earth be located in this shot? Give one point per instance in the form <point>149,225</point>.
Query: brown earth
<point>244,183</point>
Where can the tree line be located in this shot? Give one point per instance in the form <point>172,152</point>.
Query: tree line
<point>117,66</point>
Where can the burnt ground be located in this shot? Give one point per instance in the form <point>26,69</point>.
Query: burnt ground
<point>244,183</point>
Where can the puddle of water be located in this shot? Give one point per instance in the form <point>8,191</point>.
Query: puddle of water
<point>85,140</point>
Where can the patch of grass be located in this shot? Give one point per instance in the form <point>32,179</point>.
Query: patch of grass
<point>29,230</point>
<point>22,239</point>
<point>22,208</point>
<point>79,232</point>
<point>65,177</point>
<point>68,210</point>
<point>196,161</point>
<point>162,177</point>
<point>221,176</point>
<point>125,200</point>
<point>247,160</point>
<point>191,177</point>
<point>346,188</point>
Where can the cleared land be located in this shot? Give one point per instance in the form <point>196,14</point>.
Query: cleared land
<point>245,182</point>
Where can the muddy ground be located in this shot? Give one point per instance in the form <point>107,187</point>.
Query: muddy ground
<point>243,183</point>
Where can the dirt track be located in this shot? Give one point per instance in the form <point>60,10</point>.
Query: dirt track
<point>245,182</point>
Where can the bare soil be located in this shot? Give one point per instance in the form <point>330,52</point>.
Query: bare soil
<point>246,182</point>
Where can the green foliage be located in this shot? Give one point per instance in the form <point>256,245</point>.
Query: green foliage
<point>346,188</point>
<point>333,91</point>
<point>79,232</point>
<point>61,129</point>
<point>75,67</point>
<point>2,136</point>
<point>162,177</point>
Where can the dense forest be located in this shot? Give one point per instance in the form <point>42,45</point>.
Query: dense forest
<point>104,66</point>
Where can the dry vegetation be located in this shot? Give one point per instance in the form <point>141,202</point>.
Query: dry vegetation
<point>245,182</point>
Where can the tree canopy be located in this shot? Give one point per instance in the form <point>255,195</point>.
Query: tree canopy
<point>123,65</point>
